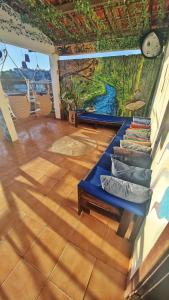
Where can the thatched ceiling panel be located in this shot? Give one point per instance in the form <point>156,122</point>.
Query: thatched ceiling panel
<point>77,22</point>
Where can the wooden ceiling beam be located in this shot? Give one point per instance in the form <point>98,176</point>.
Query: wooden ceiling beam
<point>69,7</point>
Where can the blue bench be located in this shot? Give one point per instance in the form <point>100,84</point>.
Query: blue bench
<point>92,196</point>
<point>98,119</point>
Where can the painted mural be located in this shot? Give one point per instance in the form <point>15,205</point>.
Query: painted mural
<point>120,86</point>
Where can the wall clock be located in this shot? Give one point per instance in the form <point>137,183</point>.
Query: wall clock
<point>151,45</point>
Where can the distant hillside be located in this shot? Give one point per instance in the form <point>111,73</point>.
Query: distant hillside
<point>12,78</point>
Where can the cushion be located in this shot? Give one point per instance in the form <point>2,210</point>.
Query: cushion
<point>95,179</point>
<point>142,120</point>
<point>132,158</point>
<point>133,174</point>
<point>137,140</point>
<point>125,190</point>
<point>133,146</point>
<point>138,125</point>
<point>142,133</point>
<point>140,129</point>
<point>132,137</point>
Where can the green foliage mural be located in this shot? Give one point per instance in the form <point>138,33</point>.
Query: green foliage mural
<point>110,84</point>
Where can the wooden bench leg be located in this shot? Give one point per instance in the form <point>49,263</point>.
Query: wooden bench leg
<point>137,224</point>
<point>126,218</point>
<point>82,203</point>
<point>80,209</point>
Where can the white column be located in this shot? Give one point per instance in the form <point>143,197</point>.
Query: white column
<point>7,116</point>
<point>55,84</point>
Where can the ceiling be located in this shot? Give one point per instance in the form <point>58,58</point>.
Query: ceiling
<point>98,24</point>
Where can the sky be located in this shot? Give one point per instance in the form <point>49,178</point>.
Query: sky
<point>101,54</point>
<point>18,55</point>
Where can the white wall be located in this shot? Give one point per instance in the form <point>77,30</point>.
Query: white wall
<point>14,32</point>
<point>158,216</point>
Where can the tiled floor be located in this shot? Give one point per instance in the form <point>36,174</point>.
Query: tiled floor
<point>46,250</point>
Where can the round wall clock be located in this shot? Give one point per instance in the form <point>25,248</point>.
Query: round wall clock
<point>151,45</point>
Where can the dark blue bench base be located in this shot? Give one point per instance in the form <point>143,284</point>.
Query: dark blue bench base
<point>98,119</point>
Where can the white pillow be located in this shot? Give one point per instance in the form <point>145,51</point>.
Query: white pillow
<point>126,190</point>
<point>133,174</point>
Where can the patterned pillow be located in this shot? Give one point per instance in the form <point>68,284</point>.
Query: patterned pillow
<point>141,129</point>
<point>132,158</point>
<point>125,190</point>
<point>138,125</point>
<point>132,137</point>
<point>133,146</point>
<point>142,120</point>
<point>137,140</point>
<point>133,174</point>
<point>142,133</point>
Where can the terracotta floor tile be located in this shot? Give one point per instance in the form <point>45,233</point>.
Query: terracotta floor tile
<point>45,252</point>
<point>34,174</point>
<point>62,189</point>
<point>52,292</point>
<point>59,174</point>
<point>89,235</point>
<point>81,162</point>
<point>23,233</point>
<point>113,224</point>
<point>100,217</point>
<point>38,218</point>
<point>3,200</point>
<point>29,205</point>
<point>51,201</point>
<point>53,157</point>
<point>24,282</point>
<point>37,164</point>
<point>8,258</point>
<point>8,216</point>
<point>71,200</point>
<point>8,180</point>
<point>21,179</point>
<point>19,192</point>
<point>46,183</point>
<point>76,168</point>
<point>69,179</point>
<point>66,164</point>
<point>105,283</point>
<point>115,251</point>
<point>74,268</point>
<point>65,222</point>
<point>77,175</point>
<point>40,207</point>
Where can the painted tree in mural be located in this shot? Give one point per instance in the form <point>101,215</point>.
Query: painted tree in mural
<point>84,68</point>
<point>74,77</point>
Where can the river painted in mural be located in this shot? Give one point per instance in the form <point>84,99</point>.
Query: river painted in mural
<point>105,104</point>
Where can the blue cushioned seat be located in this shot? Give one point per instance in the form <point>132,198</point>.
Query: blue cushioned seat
<point>99,193</point>
<point>102,118</point>
<point>115,143</point>
<point>105,161</point>
<point>91,184</point>
<point>123,128</point>
<point>94,177</point>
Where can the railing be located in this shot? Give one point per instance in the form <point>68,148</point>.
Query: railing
<point>28,98</point>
